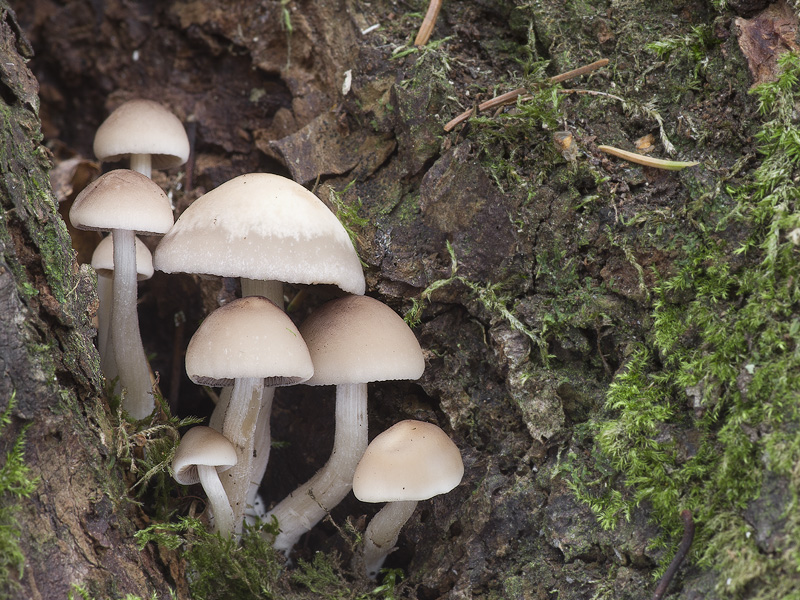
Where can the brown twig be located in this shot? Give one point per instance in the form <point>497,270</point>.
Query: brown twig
<point>683,550</point>
<point>598,64</point>
<point>512,96</point>
<point>426,29</point>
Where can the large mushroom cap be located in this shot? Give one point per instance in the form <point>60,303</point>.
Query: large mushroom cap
<point>201,446</point>
<point>122,199</point>
<point>249,337</point>
<point>142,127</point>
<point>357,339</point>
<point>412,460</point>
<point>265,227</point>
<point>103,259</point>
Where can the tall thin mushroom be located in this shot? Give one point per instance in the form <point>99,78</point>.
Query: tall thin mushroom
<point>126,203</point>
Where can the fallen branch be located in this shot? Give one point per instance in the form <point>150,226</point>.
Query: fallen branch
<point>512,96</point>
<point>426,29</point>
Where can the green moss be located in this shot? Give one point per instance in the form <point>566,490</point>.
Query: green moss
<point>219,568</point>
<point>15,483</point>
<point>710,403</point>
<point>145,450</point>
<point>79,592</point>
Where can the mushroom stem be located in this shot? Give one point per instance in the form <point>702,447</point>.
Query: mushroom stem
<point>221,510</point>
<point>142,163</point>
<point>134,374</point>
<point>239,427</point>
<point>309,503</point>
<point>382,533</point>
<point>261,451</point>
<point>271,290</point>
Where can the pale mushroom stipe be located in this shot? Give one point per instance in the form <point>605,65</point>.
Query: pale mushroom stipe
<point>103,264</point>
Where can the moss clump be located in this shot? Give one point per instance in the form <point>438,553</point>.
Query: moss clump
<point>15,483</point>
<point>711,404</point>
<point>219,568</point>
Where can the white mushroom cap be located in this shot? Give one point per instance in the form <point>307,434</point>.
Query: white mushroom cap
<point>357,339</point>
<point>142,127</point>
<point>265,227</point>
<point>122,199</point>
<point>201,446</point>
<point>249,337</point>
<point>412,460</point>
<point>103,259</point>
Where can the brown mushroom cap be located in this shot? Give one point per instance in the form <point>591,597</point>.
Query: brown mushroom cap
<point>202,446</point>
<point>412,460</point>
<point>248,337</point>
<point>122,199</point>
<point>103,259</point>
<point>142,127</point>
<point>265,227</point>
<point>357,339</point>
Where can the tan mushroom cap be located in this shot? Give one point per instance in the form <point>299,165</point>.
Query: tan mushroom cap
<point>249,337</point>
<point>122,199</point>
<point>142,127</point>
<point>202,446</point>
<point>410,461</point>
<point>103,259</point>
<point>357,339</point>
<point>265,227</point>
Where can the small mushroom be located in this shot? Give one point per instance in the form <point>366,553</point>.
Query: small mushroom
<point>200,457</point>
<point>352,341</point>
<point>409,462</point>
<point>147,133</point>
<point>125,202</point>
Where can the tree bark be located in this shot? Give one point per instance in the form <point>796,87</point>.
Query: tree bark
<point>76,528</point>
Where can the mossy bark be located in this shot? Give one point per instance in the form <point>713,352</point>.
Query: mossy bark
<point>76,528</point>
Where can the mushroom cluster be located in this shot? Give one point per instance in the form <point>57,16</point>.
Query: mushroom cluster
<point>266,230</point>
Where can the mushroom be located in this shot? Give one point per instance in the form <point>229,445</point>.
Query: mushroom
<point>125,202</point>
<point>200,457</point>
<point>265,229</point>
<point>409,462</point>
<point>147,133</point>
<point>352,341</point>
<point>248,343</point>
<point>103,264</point>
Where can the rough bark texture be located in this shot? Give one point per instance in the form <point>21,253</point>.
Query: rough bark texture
<point>539,269</point>
<point>76,527</point>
